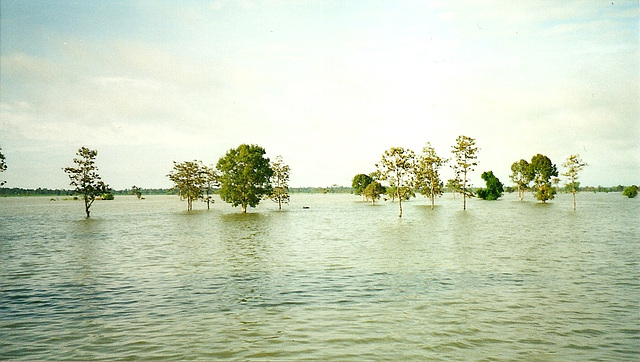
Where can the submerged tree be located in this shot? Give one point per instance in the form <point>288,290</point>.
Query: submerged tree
<point>630,191</point>
<point>135,190</point>
<point>3,166</point>
<point>245,175</point>
<point>280,182</point>
<point>427,175</point>
<point>465,153</point>
<point>373,191</point>
<point>189,179</point>
<point>543,170</point>
<point>521,176</point>
<point>84,177</point>
<point>405,193</point>
<point>494,187</point>
<point>574,165</point>
<point>360,182</point>
<point>209,182</point>
<point>397,167</point>
<point>454,186</point>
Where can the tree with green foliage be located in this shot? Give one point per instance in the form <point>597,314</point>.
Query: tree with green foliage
<point>135,190</point>
<point>405,193</point>
<point>494,187</point>
<point>84,177</point>
<point>574,165</point>
<point>397,167</point>
<point>209,182</point>
<point>521,176</point>
<point>630,191</point>
<point>245,176</point>
<point>280,182</point>
<point>359,183</point>
<point>3,166</point>
<point>373,191</point>
<point>453,185</point>
<point>465,154</point>
<point>188,178</point>
<point>428,180</point>
<point>543,170</point>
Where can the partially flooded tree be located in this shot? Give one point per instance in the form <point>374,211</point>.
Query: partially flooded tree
<point>543,170</point>
<point>3,166</point>
<point>521,176</point>
<point>359,183</point>
<point>427,174</point>
<point>373,191</point>
<point>84,177</point>
<point>494,187</point>
<point>280,182</point>
<point>465,154</point>
<point>245,176</point>
<point>209,182</point>
<point>188,178</point>
<point>574,165</point>
<point>454,186</point>
<point>397,167</point>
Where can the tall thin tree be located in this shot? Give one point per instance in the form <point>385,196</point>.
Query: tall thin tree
<point>85,177</point>
<point>397,166</point>
<point>574,165</point>
<point>465,153</point>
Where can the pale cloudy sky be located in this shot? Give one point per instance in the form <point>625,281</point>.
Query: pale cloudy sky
<point>329,85</point>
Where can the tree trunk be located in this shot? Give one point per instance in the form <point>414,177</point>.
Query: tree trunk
<point>399,201</point>
<point>574,200</point>
<point>244,208</point>
<point>279,203</point>
<point>87,205</point>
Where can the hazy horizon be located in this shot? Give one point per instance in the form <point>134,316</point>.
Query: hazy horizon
<point>329,85</point>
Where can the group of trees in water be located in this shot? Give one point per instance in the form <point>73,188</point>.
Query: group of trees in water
<point>244,176</point>
<point>405,172</point>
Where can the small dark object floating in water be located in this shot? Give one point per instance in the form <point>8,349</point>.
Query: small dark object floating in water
<point>305,207</point>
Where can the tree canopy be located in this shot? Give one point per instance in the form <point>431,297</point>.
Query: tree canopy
<point>3,165</point>
<point>494,187</point>
<point>84,177</point>
<point>397,167</point>
<point>280,182</point>
<point>428,180</point>
<point>542,170</point>
<point>574,165</point>
<point>465,153</point>
<point>521,176</point>
<point>189,178</point>
<point>245,176</point>
<point>630,191</point>
<point>373,191</point>
<point>360,183</point>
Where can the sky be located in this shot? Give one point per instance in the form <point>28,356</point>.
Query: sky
<point>328,85</point>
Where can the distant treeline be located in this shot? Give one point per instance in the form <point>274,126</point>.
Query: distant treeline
<point>17,191</point>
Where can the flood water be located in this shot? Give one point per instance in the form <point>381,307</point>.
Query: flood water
<point>146,280</point>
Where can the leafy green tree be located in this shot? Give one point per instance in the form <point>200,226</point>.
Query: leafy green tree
<point>189,179</point>
<point>427,175</point>
<point>84,177</point>
<point>631,191</point>
<point>465,154</point>
<point>3,166</point>
<point>397,167</point>
<point>209,182</point>
<point>245,175</point>
<point>454,186</point>
<point>280,182</point>
<point>494,187</point>
<point>574,165</point>
<point>521,176</point>
<point>135,190</point>
<point>405,193</point>
<point>373,191</point>
<point>359,183</point>
<point>543,170</point>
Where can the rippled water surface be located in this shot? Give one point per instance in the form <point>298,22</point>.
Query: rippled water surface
<point>145,280</point>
